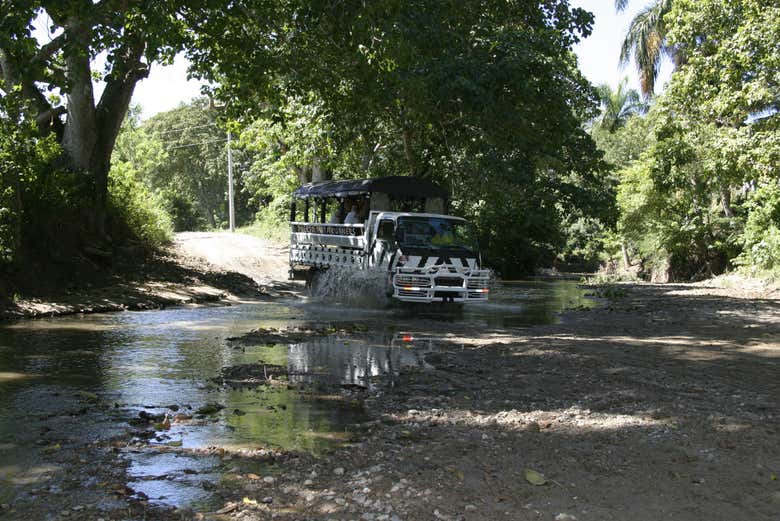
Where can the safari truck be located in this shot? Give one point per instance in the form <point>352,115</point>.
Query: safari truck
<point>394,225</point>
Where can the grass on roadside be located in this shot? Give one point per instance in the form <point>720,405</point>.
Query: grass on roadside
<point>275,231</point>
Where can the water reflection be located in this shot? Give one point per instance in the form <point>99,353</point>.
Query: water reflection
<point>75,380</point>
<point>349,362</point>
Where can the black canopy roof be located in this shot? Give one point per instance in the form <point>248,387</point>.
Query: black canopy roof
<point>398,187</point>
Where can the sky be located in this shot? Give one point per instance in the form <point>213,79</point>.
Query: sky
<point>599,54</point>
<point>167,87</point>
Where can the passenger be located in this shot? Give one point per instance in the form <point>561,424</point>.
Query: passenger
<point>352,216</point>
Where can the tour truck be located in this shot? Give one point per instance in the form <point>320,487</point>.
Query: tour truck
<point>396,226</point>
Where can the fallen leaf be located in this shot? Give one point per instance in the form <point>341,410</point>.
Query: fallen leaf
<point>51,448</point>
<point>534,478</point>
<point>230,507</point>
<point>176,443</point>
<point>248,501</point>
<point>252,476</point>
<point>773,477</point>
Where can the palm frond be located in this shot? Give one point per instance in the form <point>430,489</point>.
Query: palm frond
<point>618,105</point>
<point>646,42</point>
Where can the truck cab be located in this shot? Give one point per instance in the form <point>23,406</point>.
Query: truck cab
<point>428,257</point>
<point>424,256</point>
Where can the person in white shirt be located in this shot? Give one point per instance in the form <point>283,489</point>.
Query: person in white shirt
<point>352,217</point>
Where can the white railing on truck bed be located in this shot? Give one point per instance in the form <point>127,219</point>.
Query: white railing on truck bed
<point>327,245</point>
<point>342,235</point>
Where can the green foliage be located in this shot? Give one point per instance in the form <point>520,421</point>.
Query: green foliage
<point>191,170</point>
<point>698,175</point>
<point>586,240</point>
<point>181,156</point>
<point>484,98</point>
<point>47,70</point>
<point>625,144</point>
<point>647,42</point>
<point>669,212</point>
<point>617,106</point>
<point>762,229</point>
<point>24,156</point>
<point>732,58</point>
<point>137,209</point>
<point>269,225</point>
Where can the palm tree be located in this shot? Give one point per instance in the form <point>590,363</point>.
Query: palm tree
<point>646,42</point>
<point>618,105</point>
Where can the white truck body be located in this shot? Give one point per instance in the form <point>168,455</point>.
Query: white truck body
<point>418,268</point>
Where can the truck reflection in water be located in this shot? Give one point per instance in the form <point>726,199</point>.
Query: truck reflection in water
<point>335,361</point>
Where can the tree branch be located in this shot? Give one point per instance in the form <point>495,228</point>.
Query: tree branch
<point>48,50</point>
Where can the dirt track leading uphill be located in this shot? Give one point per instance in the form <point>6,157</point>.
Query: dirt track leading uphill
<point>198,267</point>
<point>262,260</point>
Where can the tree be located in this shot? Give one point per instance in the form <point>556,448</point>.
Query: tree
<point>130,35</point>
<point>618,105</point>
<point>483,97</point>
<point>181,156</point>
<point>646,41</point>
<point>702,195</point>
<point>22,157</point>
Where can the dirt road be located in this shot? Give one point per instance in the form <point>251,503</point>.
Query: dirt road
<point>197,267</point>
<point>262,260</point>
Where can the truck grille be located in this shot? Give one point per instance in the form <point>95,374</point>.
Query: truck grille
<point>449,281</point>
<point>413,280</point>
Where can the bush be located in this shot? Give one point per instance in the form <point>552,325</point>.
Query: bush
<point>24,160</point>
<point>135,210</point>
<point>762,230</point>
<point>269,224</point>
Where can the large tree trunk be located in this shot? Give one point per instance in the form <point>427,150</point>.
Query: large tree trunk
<point>81,130</point>
<point>91,131</point>
<point>111,111</point>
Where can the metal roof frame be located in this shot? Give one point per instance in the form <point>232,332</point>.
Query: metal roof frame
<point>397,187</point>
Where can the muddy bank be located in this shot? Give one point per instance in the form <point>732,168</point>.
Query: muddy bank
<point>181,274</point>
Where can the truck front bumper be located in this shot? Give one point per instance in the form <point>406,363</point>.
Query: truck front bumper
<point>445,284</point>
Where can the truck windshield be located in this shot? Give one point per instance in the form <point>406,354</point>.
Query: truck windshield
<point>436,233</point>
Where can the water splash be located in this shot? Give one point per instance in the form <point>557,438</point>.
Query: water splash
<point>351,287</point>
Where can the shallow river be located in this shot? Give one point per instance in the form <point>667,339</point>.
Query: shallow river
<point>74,380</point>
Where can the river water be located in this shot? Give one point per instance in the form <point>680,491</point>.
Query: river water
<point>72,381</point>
